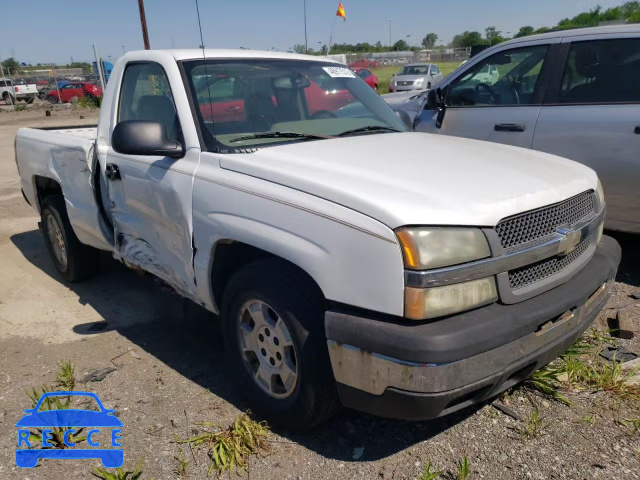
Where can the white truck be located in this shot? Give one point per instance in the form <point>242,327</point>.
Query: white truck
<point>350,261</point>
<point>11,91</point>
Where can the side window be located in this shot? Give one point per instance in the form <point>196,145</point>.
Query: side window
<point>145,95</point>
<point>510,77</point>
<point>363,73</point>
<point>434,70</point>
<point>602,71</point>
<point>3,83</point>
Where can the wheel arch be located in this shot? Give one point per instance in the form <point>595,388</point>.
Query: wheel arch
<point>228,256</point>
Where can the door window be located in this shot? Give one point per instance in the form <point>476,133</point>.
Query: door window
<point>603,71</point>
<point>434,70</point>
<point>511,77</point>
<point>146,95</point>
<point>363,73</point>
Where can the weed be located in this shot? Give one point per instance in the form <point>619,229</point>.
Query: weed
<point>66,378</point>
<point>53,403</point>
<point>591,420</point>
<point>463,469</point>
<point>545,381</point>
<point>181,467</point>
<point>120,473</point>
<point>230,449</point>
<point>20,108</point>
<point>633,424</point>
<point>534,426</point>
<point>428,474</point>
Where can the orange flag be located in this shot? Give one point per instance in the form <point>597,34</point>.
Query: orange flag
<point>340,12</point>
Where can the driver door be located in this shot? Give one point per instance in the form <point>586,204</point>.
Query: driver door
<point>497,99</point>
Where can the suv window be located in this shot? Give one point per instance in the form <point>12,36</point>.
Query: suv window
<point>603,71</point>
<point>146,95</point>
<point>510,77</point>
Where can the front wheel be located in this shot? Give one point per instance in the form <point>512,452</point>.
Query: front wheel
<point>273,322</point>
<point>53,99</point>
<point>74,260</point>
<point>429,86</point>
<point>8,99</point>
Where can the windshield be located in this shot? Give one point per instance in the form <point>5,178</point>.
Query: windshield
<point>414,70</point>
<point>244,103</point>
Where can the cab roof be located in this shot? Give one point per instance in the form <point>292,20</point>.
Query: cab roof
<point>214,53</point>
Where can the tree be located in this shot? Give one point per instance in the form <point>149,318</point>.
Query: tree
<point>467,39</point>
<point>524,31</point>
<point>400,45</point>
<point>299,48</point>
<point>635,17</point>
<point>492,35</point>
<point>11,65</point>
<point>429,40</point>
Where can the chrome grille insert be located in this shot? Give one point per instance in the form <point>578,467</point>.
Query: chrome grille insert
<point>543,222</point>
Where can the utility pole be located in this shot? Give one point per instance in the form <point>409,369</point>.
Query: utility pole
<point>389,32</point>
<point>98,66</point>
<point>143,22</point>
<point>123,50</point>
<point>306,47</point>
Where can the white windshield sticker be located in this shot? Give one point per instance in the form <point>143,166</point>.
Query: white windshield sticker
<point>339,72</point>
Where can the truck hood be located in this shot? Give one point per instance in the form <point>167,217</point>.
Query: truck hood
<point>418,178</point>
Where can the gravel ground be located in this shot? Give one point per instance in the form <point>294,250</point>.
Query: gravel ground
<point>167,373</point>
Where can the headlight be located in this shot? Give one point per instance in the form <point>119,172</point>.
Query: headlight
<point>600,193</point>
<point>419,82</point>
<point>432,247</point>
<point>423,303</point>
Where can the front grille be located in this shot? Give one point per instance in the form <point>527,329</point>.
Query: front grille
<point>523,276</point>
<point>543,222</point>
<point>405,84</point>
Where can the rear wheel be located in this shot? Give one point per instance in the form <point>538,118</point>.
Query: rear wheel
<point>29,100</point>
<point>74,260</point>
<point>273,322</point>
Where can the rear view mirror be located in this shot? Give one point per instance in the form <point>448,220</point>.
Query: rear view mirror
<point>142,137</point>
<point>293,81</point>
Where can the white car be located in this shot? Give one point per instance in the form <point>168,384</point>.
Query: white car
<point>416,76</point>
<point>351,261</point>
<point>11,92</point>
<point>573,93</point>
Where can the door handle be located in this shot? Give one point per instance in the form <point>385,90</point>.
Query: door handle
<point>509,127</point>
<point>637,130</point>
<point>112,171</point>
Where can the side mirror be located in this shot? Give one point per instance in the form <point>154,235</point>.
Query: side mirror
<point>142,137</point>
<point>435,101</point>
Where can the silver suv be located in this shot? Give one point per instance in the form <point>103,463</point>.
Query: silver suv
<point>574,93</point>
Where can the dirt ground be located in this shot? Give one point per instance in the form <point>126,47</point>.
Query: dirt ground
<point>166,372</point>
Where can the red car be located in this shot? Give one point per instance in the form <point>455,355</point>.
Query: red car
<point>74,89</point>
<point>367,76</point>
<point>364,63</point>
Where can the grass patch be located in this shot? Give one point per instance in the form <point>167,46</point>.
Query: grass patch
<point>582,368</point>
<point>428,474</point>
<point>120,473</point>
<point>230,449</point>
<point>19,108</point>
<point>66,378</point>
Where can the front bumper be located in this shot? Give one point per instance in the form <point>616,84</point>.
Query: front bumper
<point>399,369</point>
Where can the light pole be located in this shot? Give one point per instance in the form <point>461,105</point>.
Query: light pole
<point>389,32</point>
<point>306,47</point>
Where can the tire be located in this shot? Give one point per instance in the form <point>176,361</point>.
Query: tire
<point>29,100</point>
<point>429,86</point>
<point>74,260</point>
<point>375,87</point>
<point>8,99</point>
<point>53,99</point>
<point>281,293</point>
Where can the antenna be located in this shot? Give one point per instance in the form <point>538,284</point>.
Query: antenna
<point>206,74</point>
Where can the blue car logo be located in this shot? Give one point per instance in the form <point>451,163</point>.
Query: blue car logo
<point>70,419</point>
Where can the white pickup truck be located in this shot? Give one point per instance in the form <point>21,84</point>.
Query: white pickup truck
<point>351,261</point>
<point>11,91</point>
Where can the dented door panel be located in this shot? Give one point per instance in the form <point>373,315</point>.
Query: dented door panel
<point>151,210</point>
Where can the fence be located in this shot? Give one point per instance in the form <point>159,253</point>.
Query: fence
<point>409,56</point>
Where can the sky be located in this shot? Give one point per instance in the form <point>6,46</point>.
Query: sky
<point>46,31</point>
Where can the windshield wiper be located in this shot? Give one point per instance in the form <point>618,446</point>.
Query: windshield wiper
<point>308,136</point>
<point>368,128</point>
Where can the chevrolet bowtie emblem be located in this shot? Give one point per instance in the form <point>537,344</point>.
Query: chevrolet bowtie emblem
<point>570,240</point>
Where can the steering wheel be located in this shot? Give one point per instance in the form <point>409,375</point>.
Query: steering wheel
<point>489,90</point>
<point>323,114</point>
